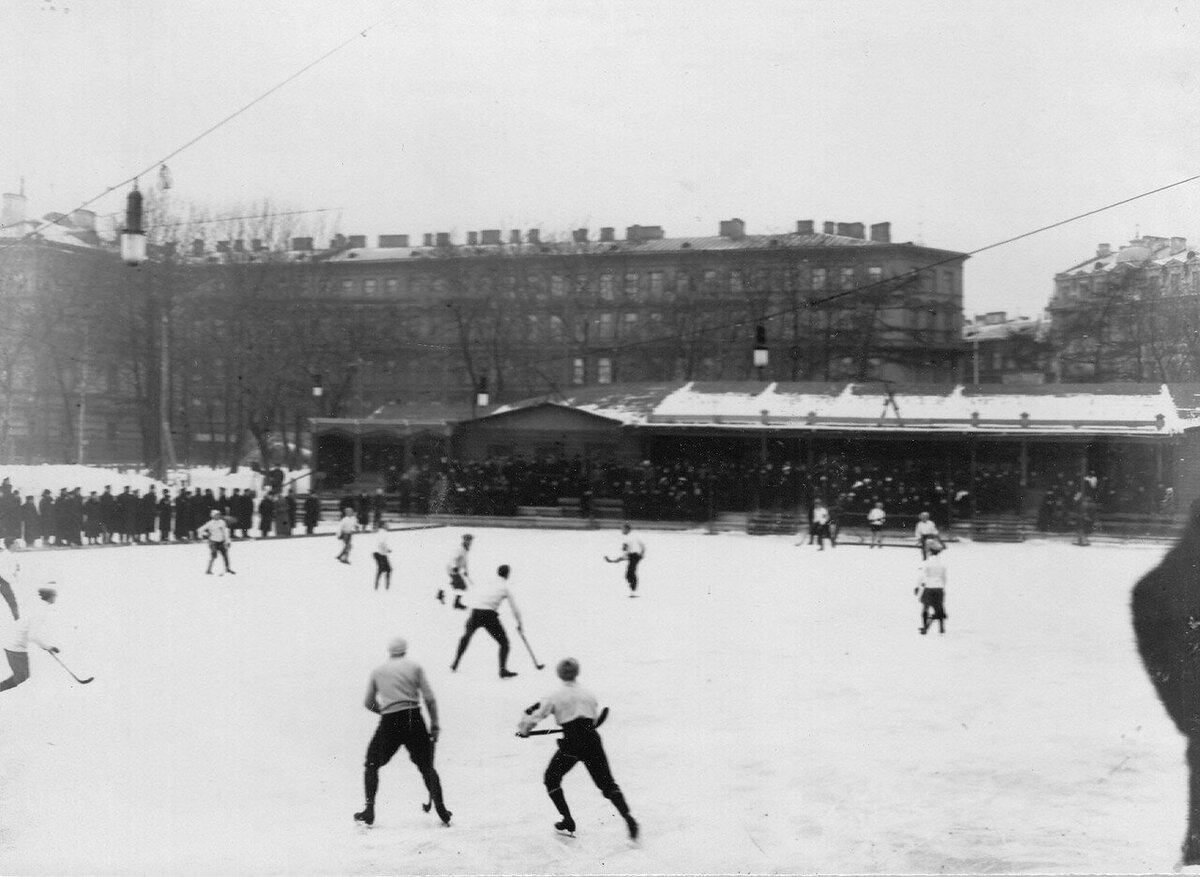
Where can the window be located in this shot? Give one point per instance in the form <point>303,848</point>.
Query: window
<point>847,278</point>
<point>606,287</point>
<point>710,281</point>
<point>557,331</point>
<point>581,284</point>
<point>392,286</point>
<point>875,273</point>
<point>558,285</point>
<point>630,326</point>
<point>370,287</point>
<point>347,287</point>
<point>631,285</point>
<point>604,370</point>
<point>682,283</point>
<point>510,287</point>
<point>736,285</point>
<point>535,327</point>
<point>656,285</point>
<point>578,371</point>
<point>607,327</point>
<point>818,278</point>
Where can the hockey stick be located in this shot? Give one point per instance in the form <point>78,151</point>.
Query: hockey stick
<point>429,804</point>
<point>599,721</point>
<point>68,669</point>
<point>530,650</point>
<point>613,559</point>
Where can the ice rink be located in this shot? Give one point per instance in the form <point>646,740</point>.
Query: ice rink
<point>773,710</point>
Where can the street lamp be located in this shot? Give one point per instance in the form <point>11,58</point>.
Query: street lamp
<point>761,354</point>
<point>133,236</point>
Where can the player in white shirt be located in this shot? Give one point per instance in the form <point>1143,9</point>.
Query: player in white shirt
<point>383,559</point>
<point>485,613</point>
<point>35,626</point>
<point>820,526</point>
<point>216,531</point>
<point>633,549</point>
<point>575,709</point>
<point>931,588</point>
<point>9,569</point>
<point>395,691</point>
<point>345,532</point>
<point>925,531</point>
<point>460,574</point>
<point>875,520</point>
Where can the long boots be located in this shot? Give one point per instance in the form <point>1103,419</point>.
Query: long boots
<point>560,802</point>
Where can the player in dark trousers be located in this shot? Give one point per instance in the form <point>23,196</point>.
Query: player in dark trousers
<point>460,574</point>
<point>486,614</point>
<point>216,531</point>
<point>633,550</point>
<point>931,587</point>
<point>383,557</point>
<point>575,709</point>
<point>395,692</point>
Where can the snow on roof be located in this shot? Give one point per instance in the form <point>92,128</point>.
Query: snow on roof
<point>1054,409</point>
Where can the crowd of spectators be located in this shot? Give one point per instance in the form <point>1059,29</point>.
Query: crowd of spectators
<point>133,517</point>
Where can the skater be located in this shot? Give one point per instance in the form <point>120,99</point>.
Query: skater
<point>931,588</point>
<point>216,531</point>
<point>383,559</point>
<point>36,626</point>
<point>632,550</point>
<point>460,576</point>
<point>395,692</point>
<point>9,569</point>
<point>819,529</point>
<point>875,520</point>
<point>486,614</point>
<point>345,532</point>
<point>925,532</point>
<point>575,709</point>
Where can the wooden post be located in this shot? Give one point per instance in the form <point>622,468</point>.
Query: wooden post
<point>1024,478</point>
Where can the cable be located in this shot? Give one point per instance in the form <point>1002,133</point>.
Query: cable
<point>214,127</point>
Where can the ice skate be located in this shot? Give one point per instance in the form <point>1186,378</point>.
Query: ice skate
<point>444,815</point>
<point>566,826</point>
<point>632,825</point>
<point>507,674</point>
<point>366,816</point>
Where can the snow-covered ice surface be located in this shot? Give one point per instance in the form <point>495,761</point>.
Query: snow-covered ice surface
<point>774,710</point>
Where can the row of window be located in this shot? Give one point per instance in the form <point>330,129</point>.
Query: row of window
<point>652,285</point>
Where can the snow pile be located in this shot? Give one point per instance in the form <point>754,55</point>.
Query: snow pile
<point>32,480</point>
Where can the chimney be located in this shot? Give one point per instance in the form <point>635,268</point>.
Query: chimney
<point>830,228</point>
<point>338,242</point>
<point>639,233</point>
<point>387,241</point>
<point>734,229</point>
<point>843,228</point>
<point>607,234</point>
<point>222,246</point>
<point>490,237</point>
<point>534,236</point>
<point>472,239</point>
<point>443,238</point>
<point>804,226</point>
<point>84,220</point>
<point>581,235</point>
<point>239,246</point>
<point>13,210</point>
<point>300,245</point>
<point>358,241</point>
<point>198,248</point>
<point>256,245</point>
<point>514,236</point>
<point>1103,250</point>
<point>428,240</point>
<point>881,232</point>
<point>1178,245</point>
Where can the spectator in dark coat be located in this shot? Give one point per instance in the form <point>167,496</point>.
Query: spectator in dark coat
<point>312,513</point>
<point>31,522</point>
<point>266,514</point>
<point>46,512</point>
<point>165,512</point>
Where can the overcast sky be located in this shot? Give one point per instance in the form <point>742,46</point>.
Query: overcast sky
<point>961,123</point>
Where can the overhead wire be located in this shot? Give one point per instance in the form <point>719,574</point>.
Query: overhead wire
<point>210,129</point>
